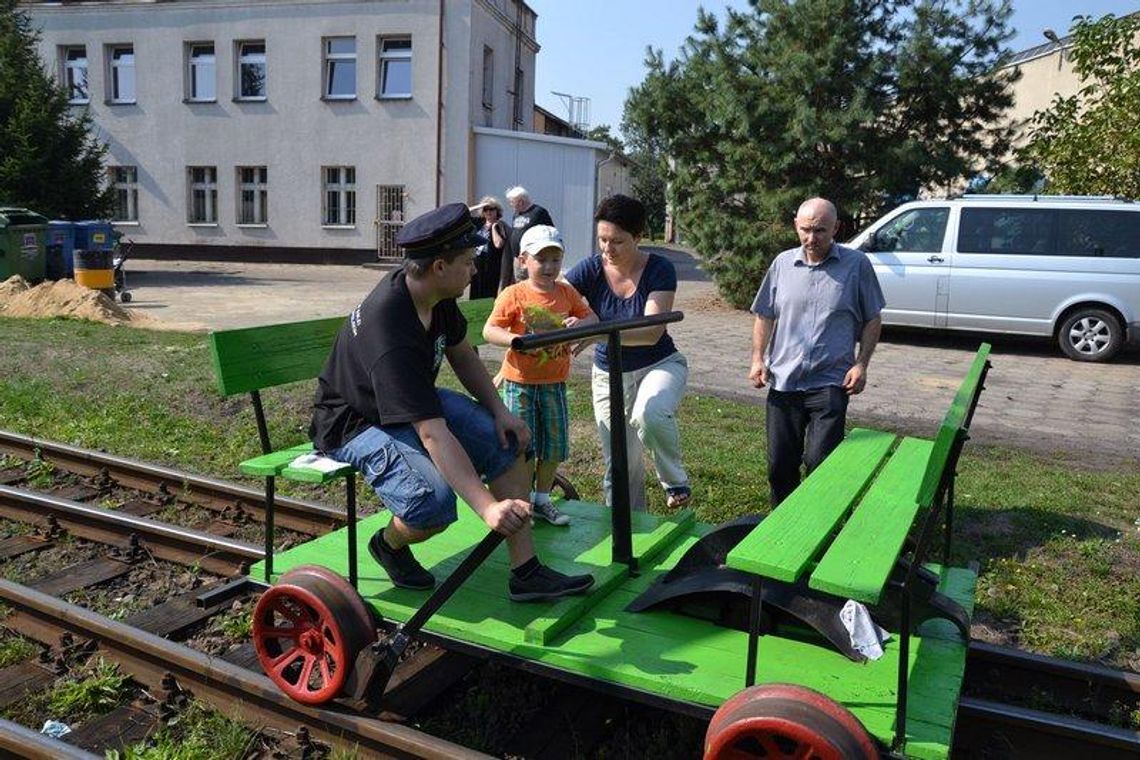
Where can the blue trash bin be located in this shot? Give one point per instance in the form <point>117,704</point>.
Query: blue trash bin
<point>60,249</point>
<point>94,235</point>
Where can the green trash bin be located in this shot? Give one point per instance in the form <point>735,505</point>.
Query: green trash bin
<point>23,236</point>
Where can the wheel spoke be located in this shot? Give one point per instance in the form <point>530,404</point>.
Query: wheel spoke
<point>307,672</point>
<point>278,665</point>
<point>280,633</point>
<point>326,676</point>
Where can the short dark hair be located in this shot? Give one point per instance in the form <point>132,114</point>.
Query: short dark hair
<point>420,267</point>
<point>627,213</point>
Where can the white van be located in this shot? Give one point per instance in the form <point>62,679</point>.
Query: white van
<point>1060,266</point>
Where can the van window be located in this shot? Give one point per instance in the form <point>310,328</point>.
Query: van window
<point>919,230</point>
<point>1114,234</point>
<point>1007,230</point>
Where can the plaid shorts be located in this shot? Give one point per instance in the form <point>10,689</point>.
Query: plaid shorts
<point>543,408</point>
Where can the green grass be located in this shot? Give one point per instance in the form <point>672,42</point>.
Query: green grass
<point>14,649</point>
<point>101,688</point>
<point>197,732</point>
<point>1058,540</point>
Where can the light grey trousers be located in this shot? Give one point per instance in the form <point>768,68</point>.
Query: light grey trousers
<point>652,395</point>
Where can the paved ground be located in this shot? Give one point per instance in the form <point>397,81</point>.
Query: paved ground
<point>1034,397</point>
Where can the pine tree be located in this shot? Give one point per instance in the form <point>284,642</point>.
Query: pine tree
<point>861,101</point>
<point>49,160</point>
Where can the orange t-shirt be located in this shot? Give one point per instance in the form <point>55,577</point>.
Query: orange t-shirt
<point>546,365</point>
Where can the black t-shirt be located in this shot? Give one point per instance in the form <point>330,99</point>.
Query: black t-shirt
<point>534,215</point>
<point>383,365</point>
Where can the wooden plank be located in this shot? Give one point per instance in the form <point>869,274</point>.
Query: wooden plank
<point>117,730</point>
<point>253,358</point>
<point>14,546</point>
<point>23,679</point>
<point>140,507</point>
<point>419,680</point>
<point>952,425</point>
<point>273,463</point>
<point>560,616</point>
<point>861,558</point>
<point>81,575</point>
<point>245,656</point>
<point>12,475</point>
<point>174,616</point>
<point>78,492</point>
<point>786,542</point>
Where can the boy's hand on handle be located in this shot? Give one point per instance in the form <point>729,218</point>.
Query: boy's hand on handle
<point>508,516</point>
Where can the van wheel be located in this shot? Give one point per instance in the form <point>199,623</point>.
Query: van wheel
<point>1090,335</point>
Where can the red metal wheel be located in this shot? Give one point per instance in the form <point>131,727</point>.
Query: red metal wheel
<point>307,637</point>
<point>786,722</point>
<point>350,595</point>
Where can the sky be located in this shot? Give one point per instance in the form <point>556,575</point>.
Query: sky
<point>596,48</point>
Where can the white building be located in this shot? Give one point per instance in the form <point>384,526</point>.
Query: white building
<point>304,128</point>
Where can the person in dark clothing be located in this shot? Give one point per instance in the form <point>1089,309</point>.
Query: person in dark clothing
<point>493,263</point>
<point>378,409</point>
<point>527,215</point>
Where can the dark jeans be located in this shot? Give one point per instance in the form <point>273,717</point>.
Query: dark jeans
<point>803,428</point>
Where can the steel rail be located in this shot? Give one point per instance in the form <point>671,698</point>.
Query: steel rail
<point>30,744</point>
<point>1079,687</point>
<point>226,686</point>
<point>170,542</point>
<point>295,514</point>
<point>984,725</point>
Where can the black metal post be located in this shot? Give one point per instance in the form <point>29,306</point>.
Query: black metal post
<point>754,630</point>
<point>946,539</point>
<point>350,497</point>
<point>619,461</point>
<point>904,665</point>
<point>270,485</point>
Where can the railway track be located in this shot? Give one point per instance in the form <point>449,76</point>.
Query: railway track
<point>1000,716</point>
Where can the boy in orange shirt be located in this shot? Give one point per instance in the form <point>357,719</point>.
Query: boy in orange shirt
<point>534,383</point>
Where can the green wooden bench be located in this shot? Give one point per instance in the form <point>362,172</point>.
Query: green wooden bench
<point>250,359</point>
<point>846,527</point>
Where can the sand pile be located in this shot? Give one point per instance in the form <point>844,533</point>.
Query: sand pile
<point>63,298</point>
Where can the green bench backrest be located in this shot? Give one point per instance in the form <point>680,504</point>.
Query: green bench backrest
<point>252,358</point>
<point>955,422</point>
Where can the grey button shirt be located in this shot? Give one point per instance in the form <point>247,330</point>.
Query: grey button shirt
<point>820,310</point>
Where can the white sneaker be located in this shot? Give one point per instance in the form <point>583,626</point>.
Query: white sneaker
<point>550,513</point>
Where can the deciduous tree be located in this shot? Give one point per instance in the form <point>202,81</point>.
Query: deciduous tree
<point>1089,143</point>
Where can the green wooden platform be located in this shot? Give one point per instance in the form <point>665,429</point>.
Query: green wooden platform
<point>662,653</point>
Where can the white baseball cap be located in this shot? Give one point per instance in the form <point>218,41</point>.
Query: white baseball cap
<point>539,237</point>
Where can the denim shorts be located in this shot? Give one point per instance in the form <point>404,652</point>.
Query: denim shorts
<point>395,463</point>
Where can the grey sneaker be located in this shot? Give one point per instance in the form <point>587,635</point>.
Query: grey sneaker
<point>550,513</point>
<point>547,583</point>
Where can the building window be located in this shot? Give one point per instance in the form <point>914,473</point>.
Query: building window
<point>203,196</point>
<point>488,84</point>
<point>125,190</point>
<point>339,204</point>
<point>519,82</point>
<point>75,73</point>
<point>340,68</point>
<point>201,78</point>
<point>253,195</point>
<point>395,79</point>
<point>122,79</point>
<point>389,220</point>
<point>251,70</point>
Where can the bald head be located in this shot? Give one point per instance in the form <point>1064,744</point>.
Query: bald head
<point>816,223</point>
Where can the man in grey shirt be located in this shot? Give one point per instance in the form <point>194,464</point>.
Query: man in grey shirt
<point>815,302</point>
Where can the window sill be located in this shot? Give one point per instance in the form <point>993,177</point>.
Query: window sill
<point>79,102</point>
<point>122,223</point>
<point>338,98</point>
<point>196,101</point>
<point>251,226</point>
<point>251,100</point>
<point>201,224</point>
<point>120,102</point>
<point>338,226</point>
<point>393,97</point>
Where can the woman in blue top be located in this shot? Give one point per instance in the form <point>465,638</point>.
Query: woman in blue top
<point>627,282</point>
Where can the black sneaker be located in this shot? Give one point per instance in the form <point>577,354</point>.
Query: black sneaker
<point>547,583</point>
<point>401,565</point>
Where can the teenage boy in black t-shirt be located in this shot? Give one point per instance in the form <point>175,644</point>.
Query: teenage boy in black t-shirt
<point>378,409</point>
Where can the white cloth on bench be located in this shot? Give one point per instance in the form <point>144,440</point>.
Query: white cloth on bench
<point>317,462</point>
<point>866,636</point>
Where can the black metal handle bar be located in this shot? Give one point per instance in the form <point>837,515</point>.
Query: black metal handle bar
<point>569,334</point>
